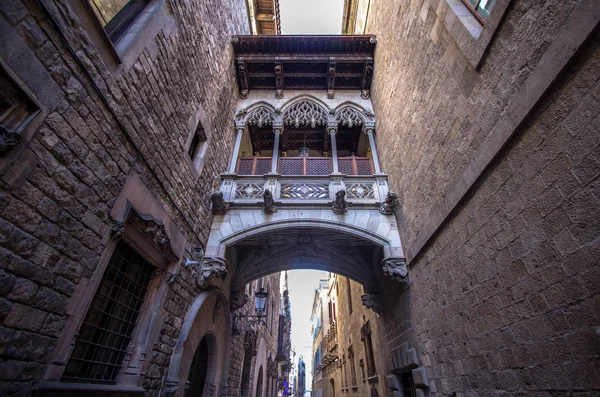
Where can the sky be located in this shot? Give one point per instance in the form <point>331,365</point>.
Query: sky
<point>302,285</point>
<point>307,17</point>
<point>311,16</point>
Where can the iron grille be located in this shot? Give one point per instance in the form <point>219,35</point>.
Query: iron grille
<point>197,376</point>
<point>245,166</point>
<point>291,166</point>
<point>106,330</point>
<point>318,166</point>
<point>408,385</point>
<point>345,166</point>
<point>263,166</point>
<point>364,166</point>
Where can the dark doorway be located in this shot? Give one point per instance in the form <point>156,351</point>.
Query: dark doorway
<point>259,383</point>
<point>198,371</point>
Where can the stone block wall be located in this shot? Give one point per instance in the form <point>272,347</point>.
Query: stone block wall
<point>504,296</point>
<point>56,199</point>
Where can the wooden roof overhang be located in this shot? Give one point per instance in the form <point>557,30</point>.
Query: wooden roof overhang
<point>280,62</point>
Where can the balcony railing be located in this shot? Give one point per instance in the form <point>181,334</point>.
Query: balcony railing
<point>329,347</point>
<point>313,166</point>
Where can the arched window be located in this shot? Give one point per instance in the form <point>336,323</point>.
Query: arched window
<point>332,384</point>
<point>199,369</point>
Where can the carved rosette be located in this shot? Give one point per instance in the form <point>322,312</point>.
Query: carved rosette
<point>396,269</point>
<point>212,267</point>
<point>371,301</point>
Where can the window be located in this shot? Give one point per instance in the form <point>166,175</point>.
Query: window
<point>480,8</point>
<point>365,337</point>
<point>352,366</point>
<point>349,292</point>
<point>408,384</point>
<point>16,111</point>
<point>361,363</point>
<point>109,323</point>
<point>344,373</point>
<point>117,16</point>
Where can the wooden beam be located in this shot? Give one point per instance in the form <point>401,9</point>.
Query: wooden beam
<point>331,78</point>
<point>365,86</point>
<point>265,17</point>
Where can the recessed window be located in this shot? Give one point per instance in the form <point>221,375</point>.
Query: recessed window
<point>16,111</point>
<point>197,148</point>
<point>105,333</point>
<point>117,16</point>
<point>480,8</point>
<point>408,384</point>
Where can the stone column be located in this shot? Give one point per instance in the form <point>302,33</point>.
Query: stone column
<point>277,130</point>
<point>332,130</point>
<point>369,131</point>
<point>240,126</point>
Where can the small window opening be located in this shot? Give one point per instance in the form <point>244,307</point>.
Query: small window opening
<point>197,142</point>
<point>408,384</point>
<point>117,16</point>
<point>480,8</point>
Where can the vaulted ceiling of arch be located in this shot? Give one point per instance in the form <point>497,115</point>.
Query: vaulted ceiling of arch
<point>305,248</point>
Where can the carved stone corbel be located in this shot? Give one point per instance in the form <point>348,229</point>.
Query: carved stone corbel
<point>237,300</point>
<point>340,205</point>
<point>389,205</point>
<point>268,202</point>
<point>396,269</point>
<point>8,140</point>
<point>219,205</point>
<point>331,78</point>
<point>117,229</point>
<point>170,387</point>
<point>157,234</point>
<point>211,267</point>
<point>371,301</point>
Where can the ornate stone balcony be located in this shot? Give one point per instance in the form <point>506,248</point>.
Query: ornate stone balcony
<point>362,191</point>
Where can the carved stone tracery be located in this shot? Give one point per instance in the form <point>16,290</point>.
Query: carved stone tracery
<point>349,116</point>
<point>305,113</point>
<point>260,116</point>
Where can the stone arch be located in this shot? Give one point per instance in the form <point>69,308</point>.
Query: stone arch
<point>260,365</point>
<point>208,316</point>
<point>305,110</point>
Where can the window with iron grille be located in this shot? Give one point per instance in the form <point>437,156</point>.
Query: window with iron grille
<point>408,384</point>
<point>117,16</point>
<point>108,325</point>
<point>480,8</point>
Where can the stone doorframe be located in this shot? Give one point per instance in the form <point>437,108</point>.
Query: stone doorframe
<point>208,315</point>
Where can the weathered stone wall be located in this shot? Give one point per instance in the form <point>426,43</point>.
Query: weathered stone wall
<point>267,333</point>
<point>504,298</point>
<point>107,126</point>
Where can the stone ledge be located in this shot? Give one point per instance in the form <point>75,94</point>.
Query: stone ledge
<point>51,389</point>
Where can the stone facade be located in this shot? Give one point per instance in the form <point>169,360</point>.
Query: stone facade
<point>103,124</point>
<point>496,168</point>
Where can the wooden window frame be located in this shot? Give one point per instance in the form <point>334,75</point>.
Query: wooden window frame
<point>474,11</point>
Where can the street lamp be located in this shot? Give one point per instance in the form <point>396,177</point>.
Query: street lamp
<point>260,304</point>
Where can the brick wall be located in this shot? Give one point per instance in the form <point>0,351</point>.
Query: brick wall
<point>51,227</point>
<point>504,298</point>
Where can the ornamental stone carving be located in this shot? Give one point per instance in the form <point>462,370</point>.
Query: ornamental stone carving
<point>389,205</point>
<point>396,269</point>
<point>261,116</point>
<point>371,301</point>
<point>157,234</point>
<point>219,205</point>
<point>268,202</point>
<point>116,230</point>
<point>237,300</point>
<point>170,387</point>
<point>340,205</point>
<point>212,267</point>
<point>305,113</point>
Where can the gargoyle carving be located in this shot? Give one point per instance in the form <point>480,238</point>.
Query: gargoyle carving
<point>268,202</point>
<point>212,267</point>
<point>371,301</point>
<point>340,205</point>
<point>388,206</point>
<point>237,300</point>
<point>396,269</point>
<point>219,205</point>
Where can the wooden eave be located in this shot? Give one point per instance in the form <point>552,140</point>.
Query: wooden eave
<point>279,62</point>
